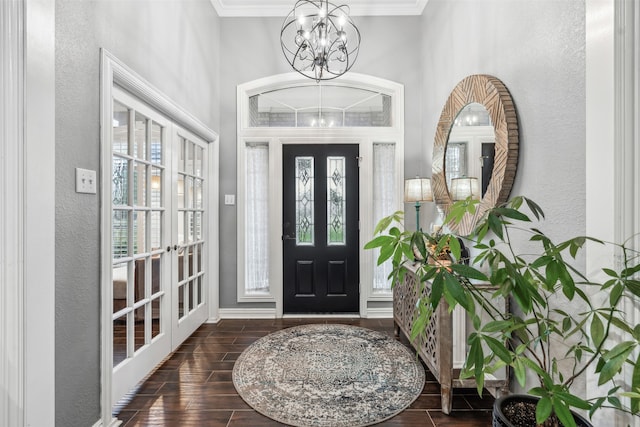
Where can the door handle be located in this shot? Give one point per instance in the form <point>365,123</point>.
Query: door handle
<point>287,237</point>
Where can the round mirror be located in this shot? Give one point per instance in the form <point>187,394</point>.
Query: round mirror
<point>475,152</point>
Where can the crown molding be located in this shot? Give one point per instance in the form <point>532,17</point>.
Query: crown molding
<point>280,8</point>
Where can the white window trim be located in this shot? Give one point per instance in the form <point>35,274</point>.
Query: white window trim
<point>115,73</point>
<point>365,137</point>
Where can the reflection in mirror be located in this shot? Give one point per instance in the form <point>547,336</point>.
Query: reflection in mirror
<point>470,149</point>
<point>476,137</point>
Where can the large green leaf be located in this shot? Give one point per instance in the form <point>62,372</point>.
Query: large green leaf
<point>512,213</point>
<point>498,348</point>
<point>543,409</point>
<point>495,225</point>
<point>563,413</point>
<point>597,330</point>
<point>614,359</point>
<point>455,290</point>
<point>379,241</point>
<point>468,272</point>
<point>635,385</point>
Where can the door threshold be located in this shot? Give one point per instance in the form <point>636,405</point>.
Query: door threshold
<point>322,315</point>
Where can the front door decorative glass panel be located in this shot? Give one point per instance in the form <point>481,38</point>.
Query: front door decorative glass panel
<point>304,201</point>
<point>336,201</point>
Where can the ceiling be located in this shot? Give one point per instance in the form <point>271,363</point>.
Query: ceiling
<point>283,7</point>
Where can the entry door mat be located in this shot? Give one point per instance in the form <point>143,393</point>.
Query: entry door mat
<point>328,375</point>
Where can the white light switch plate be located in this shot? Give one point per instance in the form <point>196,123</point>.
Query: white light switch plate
<point>229,199</point>
<point>85,181</point>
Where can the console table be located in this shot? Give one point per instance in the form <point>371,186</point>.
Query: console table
<point>435,347</point>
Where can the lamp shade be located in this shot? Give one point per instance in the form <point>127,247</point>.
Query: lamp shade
<point>462,188</point>
<point>417,190</point>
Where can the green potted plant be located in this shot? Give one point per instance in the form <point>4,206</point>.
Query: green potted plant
<point>538,277</point>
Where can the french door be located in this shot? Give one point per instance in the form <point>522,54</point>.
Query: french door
<point>158,238</point>
<point>320,230</point>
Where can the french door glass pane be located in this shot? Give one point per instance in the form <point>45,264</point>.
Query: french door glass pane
<point>304,200</point>
<point>120,233</point>
<point>197,196</point>
<point>181,307</point>
<point>155,310</point>
<point>156,144</point>
<point>119,340</point>
<point>139,232</point>
<point>120,142</point>
<point>199,160</point>
<point>139,184</point>
<point>156,187</point>
<point>156,230</point>
<point>120,178</point>
<point>140,141</point>
<point>180,191</point>
<point>140,320</point>
<point>120,281</point>
<point>336,201</point>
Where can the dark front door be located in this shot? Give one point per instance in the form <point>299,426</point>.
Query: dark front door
<point>320,228</point>
<point>488,153</point>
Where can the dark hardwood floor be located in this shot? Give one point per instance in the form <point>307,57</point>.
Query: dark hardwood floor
<point>193,387</point>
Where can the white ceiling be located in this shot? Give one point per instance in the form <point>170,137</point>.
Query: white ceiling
<point>282,7</point>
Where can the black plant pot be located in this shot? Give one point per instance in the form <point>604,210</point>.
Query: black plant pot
<point>501,420</point>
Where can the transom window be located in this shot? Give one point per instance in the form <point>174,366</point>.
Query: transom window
<point>324,106</point>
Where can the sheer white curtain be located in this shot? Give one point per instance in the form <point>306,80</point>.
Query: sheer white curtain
<point>385,202</point>
<point>257,220</point>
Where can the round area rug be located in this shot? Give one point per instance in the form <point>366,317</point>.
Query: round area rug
<point>328,375</point>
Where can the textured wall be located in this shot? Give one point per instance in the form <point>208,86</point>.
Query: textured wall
<point>388,50</point>
<point>174,45</point>
<point>537,48</point>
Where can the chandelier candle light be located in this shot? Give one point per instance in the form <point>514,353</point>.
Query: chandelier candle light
<point>319,39</point>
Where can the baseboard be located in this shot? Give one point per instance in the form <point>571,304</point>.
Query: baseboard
<point>380,313</point>
<point>270,313</point>
<point>113,423</point>
<point>247,313</point>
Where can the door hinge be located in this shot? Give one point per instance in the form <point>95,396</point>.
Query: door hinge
<point>359,160</point>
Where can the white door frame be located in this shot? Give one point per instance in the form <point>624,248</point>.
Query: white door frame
<point>27,212</point>
<point>114,72</point>
<point>365,137</point>
<point>612,141</point>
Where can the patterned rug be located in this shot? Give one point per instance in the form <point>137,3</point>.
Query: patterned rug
<point>328,375</point>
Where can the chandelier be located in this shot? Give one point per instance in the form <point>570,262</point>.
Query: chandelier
<point>319,39</point>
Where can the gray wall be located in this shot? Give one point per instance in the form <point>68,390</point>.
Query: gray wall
<point>537,48</point>
<point>174,45</point>
<point>389,49</point>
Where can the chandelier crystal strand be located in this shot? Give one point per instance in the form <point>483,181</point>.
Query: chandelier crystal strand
<point>319,39</point>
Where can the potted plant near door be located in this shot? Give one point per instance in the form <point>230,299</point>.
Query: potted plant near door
<point>561,325</point>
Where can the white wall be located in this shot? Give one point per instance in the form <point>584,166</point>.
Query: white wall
<point>174,45</point>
